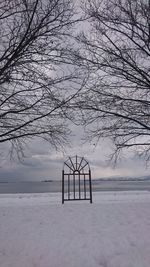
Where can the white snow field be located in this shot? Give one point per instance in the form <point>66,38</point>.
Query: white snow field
<point>36,230</point>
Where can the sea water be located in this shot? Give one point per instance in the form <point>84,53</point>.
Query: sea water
<point>56,186</point>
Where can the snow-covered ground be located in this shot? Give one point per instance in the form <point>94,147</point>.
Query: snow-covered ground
<point>37,231</point>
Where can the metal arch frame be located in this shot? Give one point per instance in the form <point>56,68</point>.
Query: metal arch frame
<point>76,169</point>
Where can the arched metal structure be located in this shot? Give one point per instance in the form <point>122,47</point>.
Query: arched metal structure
<point>76,180</point>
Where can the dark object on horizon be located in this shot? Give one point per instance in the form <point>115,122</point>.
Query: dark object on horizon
<point>47,181</point>
<point>76,180</point>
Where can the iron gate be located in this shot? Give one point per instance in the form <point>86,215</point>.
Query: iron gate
<point>76,180</point>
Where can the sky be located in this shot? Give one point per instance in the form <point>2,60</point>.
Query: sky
<point>42,162</point>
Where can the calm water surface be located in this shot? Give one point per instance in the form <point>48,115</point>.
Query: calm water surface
<point>55,186</point>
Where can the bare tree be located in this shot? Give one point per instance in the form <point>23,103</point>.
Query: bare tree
<point>36,71</point>
<point>116,100</point>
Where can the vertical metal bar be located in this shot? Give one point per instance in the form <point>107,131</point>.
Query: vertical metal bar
<point>62,186</point>
<point>90,184</point>
<point>76,162</point>
<point>79,187</point>
<point>74,186</point>
<point>84,187</point>
<point>68,186</point>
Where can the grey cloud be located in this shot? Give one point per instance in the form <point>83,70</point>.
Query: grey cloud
<point>42,162</point>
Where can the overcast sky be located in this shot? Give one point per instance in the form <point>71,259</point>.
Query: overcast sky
<point>42,162</point>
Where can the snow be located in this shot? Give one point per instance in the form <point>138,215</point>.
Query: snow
<point>36,230</point>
